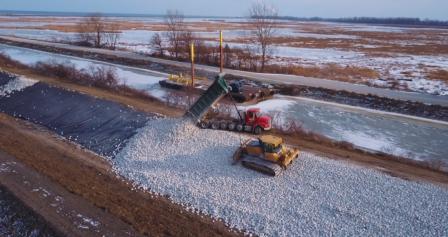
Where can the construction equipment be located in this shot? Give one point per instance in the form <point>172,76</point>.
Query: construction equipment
<point>245,91</point>
<point>249,121</point>
<point>217,90</point>
<point>267,154</point>
<point>179,82</point>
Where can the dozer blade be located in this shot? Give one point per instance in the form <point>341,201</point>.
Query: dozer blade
<point>261,165</point>
<point>290,156</point>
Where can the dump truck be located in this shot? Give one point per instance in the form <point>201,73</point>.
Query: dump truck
<point>250,121</point>
<point>268,154</point>
<point>242,91</point>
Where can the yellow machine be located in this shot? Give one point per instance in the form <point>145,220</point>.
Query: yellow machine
<point>182,79</point>
<point>267,154</point>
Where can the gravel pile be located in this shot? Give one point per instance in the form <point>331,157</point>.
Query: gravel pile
<point>14,85</point>
<point>316,196</point>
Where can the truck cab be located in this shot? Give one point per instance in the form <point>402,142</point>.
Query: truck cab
<point>256,121</point>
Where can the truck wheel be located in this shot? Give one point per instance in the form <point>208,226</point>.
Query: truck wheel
<point>215,125</point>
<point>231,126</point>
<point>239,127</point>
<point>203,125</point>
<point>258,130</point>
<point>223,125</point>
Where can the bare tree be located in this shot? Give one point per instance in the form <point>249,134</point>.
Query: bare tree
<point>186,39</point>
<point>93,30</point>
<point>156,44</point>
<point>111,36</point>
<point>263,18</point>
<point>85,35</point>
<point>97,28</point>
<point>174,21</point>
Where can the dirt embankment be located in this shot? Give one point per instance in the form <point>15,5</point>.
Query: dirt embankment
<point>89,176</point>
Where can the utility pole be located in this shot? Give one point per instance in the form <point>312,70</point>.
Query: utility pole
<point>192,64</point>
<point>221,49</point>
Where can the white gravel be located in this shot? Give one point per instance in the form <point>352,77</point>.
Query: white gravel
<point>316,196</point>
<point>16,84</point>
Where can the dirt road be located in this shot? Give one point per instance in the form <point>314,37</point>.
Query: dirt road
<point>261,77</point>
<point>69,214</point>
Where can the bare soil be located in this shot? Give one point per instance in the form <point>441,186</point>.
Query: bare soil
<point>90,177</point>
<point>67,213</point>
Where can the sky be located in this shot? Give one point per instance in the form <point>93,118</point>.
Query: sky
<point>433,9</point>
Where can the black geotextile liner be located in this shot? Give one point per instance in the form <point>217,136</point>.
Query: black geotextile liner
<point>5,78</point>
<point>98,125</point>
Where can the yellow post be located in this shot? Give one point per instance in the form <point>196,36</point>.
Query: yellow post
<point>221,50</point>
<point>192,64</point>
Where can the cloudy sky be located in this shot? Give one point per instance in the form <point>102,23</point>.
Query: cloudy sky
<point>434,9</point>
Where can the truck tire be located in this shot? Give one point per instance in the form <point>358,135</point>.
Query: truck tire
<point>223,126</point>
<point>215,125</point>
<point>203,125</point>
<point>231,126</point>
<point>239,127</point>
<point>258,130</point>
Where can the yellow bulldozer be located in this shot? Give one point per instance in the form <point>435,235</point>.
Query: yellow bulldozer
<point>267,154</point>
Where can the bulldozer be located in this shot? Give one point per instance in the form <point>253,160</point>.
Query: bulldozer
<point>267,154</point>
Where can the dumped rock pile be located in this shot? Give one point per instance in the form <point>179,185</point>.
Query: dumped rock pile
<point>315,196</point>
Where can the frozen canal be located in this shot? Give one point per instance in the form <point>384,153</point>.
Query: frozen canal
<point>395,135</point>
<point>391,134</point>
<point>138,78</point>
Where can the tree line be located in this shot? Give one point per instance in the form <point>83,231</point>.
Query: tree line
<point>175,42</point>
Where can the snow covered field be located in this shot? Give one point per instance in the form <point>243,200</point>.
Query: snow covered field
<point>315,196</point>
<point>408,69</point>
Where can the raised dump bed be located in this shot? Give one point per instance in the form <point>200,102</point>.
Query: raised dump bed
<point>212,95</point>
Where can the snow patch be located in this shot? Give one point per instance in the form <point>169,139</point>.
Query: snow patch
<point>15,85</point>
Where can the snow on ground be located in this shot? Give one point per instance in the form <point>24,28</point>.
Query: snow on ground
<point>138,41</point>
<point>272,105</point>
<point>398,136</point>
<point>324,36</point>
<point>140,79</point>
<point>15,85</point>
<point>315,196</point>
<point>46,35</point>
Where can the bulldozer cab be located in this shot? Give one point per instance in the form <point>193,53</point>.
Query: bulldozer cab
<point>271,144</point>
